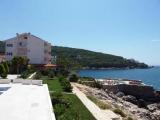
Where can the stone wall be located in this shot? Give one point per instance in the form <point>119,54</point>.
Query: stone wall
<point>140,92</point>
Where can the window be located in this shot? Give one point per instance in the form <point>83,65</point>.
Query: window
<point>9,45</point>
<point>20,43</point>
<point>25,37</point>
<point>9,53</point>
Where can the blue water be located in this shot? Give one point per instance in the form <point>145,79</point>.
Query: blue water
<point>148,76</point>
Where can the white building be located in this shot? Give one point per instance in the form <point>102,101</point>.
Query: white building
<point>38,51</point>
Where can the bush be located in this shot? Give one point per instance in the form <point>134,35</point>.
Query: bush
<point>60,104</point>
<point>31,68</point>
<point>73,78</point>
<point>97,85</point>
<point>45,72</point>
<point>3,73</point>
<point>5,64</point>
<point>24,75</point>
<point>99,103</point>
<point>51,74</point>
<point>65,84</point>
<point>87,79</point>
<point>38,75</point>
<point>120,112</point>
<point>59,109</point>
<point>2,69</point>
<point>129,118</point>
<point>56,97</point>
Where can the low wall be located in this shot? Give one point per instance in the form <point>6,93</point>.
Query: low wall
<point>143,92</point>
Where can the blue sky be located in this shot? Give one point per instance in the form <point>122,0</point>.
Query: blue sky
<point>129,28</point>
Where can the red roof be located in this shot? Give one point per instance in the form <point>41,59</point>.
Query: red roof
<point>50,65</point>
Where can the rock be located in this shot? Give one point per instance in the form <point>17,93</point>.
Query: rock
<point>145,114</point>
<point>152,107</point>
<point>120,94</point>
<point>157,115</point>
<point>130,98</point>
<point>158,106</point>
<point>142,103</point>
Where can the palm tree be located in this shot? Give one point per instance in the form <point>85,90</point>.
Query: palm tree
<point>18,63</point>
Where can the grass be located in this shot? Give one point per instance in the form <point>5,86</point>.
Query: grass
<point>53,84</point>
<point>120,112</point>
<point>75,111</point>
<point>99,103</point>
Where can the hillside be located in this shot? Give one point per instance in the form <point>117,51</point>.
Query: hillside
<point>90,59</point>
<point>2,47</point>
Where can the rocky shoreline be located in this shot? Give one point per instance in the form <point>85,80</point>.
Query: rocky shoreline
<point>114,68</point>
<point>138,109</point>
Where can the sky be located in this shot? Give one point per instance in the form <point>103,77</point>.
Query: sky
<point>128,28</point>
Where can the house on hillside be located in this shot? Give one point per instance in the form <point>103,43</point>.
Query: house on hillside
<point>37,50</point>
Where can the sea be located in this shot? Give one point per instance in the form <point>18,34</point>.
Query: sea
<point>150,76</point>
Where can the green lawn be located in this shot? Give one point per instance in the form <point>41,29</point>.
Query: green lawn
<point>53,85</point>
<point>76,109</point>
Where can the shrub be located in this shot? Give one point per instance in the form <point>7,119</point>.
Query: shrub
<point>45,72</point>
<point>60,104</point>
<point>99,103</point>
<point>59,109</point>
<point>31,68</point>
<point>3,73</point>
<point>87,79</point>
<point>2,69</point>
<point>129,118</point>
<point>51,74</point>
<point>97,85</point>
<point>120,112</point>
<point>56,97</point>
<point>65,84</point>
<point>73,78</point>
<point>38,75</point>
<point>62,72</point>
<point>5,64</point>
<point>24,75</point>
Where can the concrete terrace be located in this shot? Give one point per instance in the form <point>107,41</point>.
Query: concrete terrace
<point>25,102</point>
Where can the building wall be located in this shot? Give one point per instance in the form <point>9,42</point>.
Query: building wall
<point>35,50</point>
<point>11,51</point>
<point>30,46</point>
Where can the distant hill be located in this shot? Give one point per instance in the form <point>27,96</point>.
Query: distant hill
<point>90,59</point>
<point>2,47</point>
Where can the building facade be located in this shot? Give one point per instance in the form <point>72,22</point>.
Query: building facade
<point>38,51</point>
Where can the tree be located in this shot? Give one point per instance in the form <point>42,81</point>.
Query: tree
<point>5,64</point>
<point>3,73</point>
<point>19,64</point>
<point>73,78</point>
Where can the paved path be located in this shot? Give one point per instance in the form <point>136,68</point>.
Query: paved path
<point>30,77</point>
<point>93,108</point>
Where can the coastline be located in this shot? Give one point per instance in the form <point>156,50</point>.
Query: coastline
<point>126,103</point>
<point>149,76</point>
<point>115,68</point>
